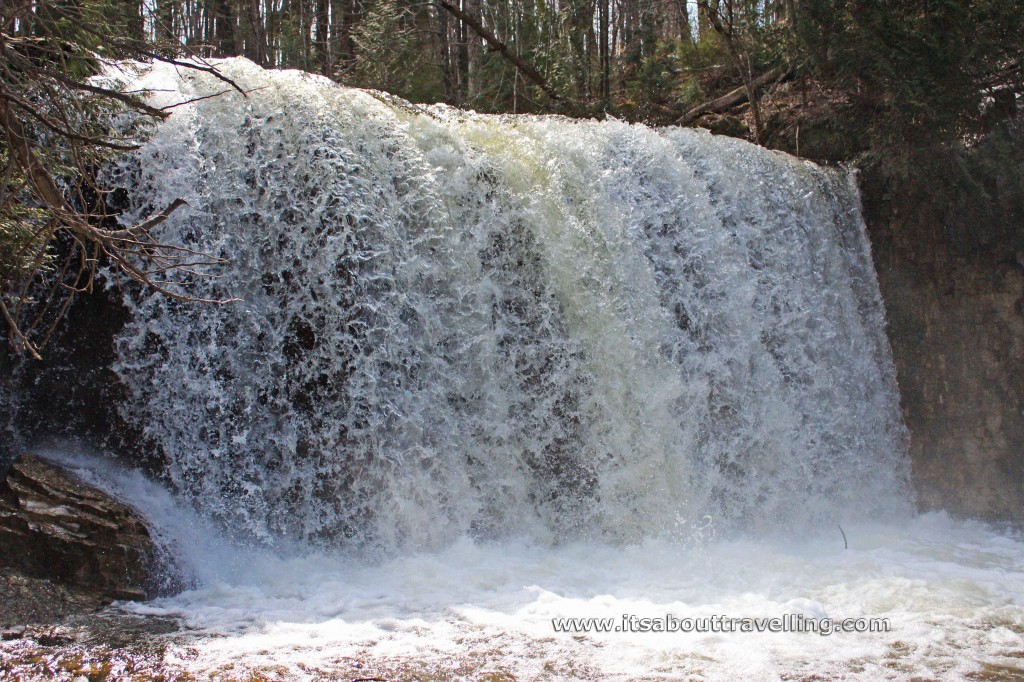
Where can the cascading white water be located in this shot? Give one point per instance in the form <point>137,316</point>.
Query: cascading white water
<point>524,361</point>
<point>454,324</point>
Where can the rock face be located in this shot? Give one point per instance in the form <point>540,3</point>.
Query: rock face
<point>959,354</point>
<point>31,601</point>
<point>72,392</point>
<point>54,526</point>
<point>950,259</point>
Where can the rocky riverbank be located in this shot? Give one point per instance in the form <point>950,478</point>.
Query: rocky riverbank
<point>51,632</point>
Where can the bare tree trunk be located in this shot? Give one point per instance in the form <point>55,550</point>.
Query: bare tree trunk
<point>133,10</point>
<point>603,51</point>
<point>223,23</point>
<point>790,10</point>
<point>755,105</point>
<point>501,48</point>
<point>256,41</point>
<point>306,34</point>
<point>741,62</point>
<point>163,29</point>
<point>444,47</point>
<point>733,97</point>
<point>684,29</point>
<point>460,61</point>
<point>581,19</point>
<point>474,53</point>
<point>324,57</point>
<point>342,19</point>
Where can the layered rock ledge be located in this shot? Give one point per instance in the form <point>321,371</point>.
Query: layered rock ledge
<point>55,527</point>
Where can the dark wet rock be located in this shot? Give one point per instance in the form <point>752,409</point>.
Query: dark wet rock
<point>16,632</point>
<point>53,636</point>
<point>25,600</point>
<point>55,527</point>
<point>105,645</point>
<point>946,240</point>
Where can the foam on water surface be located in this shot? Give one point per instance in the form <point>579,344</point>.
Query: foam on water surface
<point>951,591</point>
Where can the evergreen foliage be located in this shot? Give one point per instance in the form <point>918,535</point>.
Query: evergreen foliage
<point>917,73</point>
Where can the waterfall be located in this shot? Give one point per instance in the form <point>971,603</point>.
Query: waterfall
<point>456,324</point>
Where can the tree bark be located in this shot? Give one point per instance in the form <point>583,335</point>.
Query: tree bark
<point>223,24</point>
<point>325,57</point>
<point>474,53</point>
<point>444,50</point>
<point>257,49</point>
<point>604,52</point>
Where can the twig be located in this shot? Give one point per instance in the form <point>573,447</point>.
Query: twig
<point>194,99</point>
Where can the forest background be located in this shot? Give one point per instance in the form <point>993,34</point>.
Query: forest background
<point>924,96</point>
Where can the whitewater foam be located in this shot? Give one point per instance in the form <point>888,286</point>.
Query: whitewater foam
<point>952,592</point>
<point>455,324</point>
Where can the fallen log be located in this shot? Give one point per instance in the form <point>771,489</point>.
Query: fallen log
<point>733,97</point>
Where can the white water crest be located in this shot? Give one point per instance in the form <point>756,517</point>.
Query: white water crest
<point>456,325</point>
